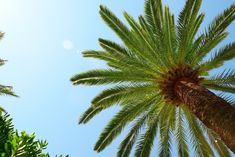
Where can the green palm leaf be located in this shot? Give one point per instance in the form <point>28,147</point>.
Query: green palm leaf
<point>223,88</point>
<point>227,77</point>
<point>114,48</point>
<point>215,33</point>
<point>167,118</point>
<point>186,26</point>
<point>225,54</point>
<point>2,62</point>
<point>201,146</point>
<point>127,144</point>
<point>215,141</point>
<point>227,98</point>
<point>124,33</point>
<point>115,126</point>
<point>121,94</point>
<point>7,90</point>
<point>97,77</point>
<point>89,114</point>
<point>145,142</point>
<point>180,134</point>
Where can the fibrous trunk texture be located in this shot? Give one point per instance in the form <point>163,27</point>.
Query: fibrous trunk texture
<point>212,110</point>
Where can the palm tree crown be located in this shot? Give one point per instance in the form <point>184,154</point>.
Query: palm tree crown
<point>157,51</point>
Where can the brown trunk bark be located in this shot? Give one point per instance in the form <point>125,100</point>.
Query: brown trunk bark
<point>212,110</point>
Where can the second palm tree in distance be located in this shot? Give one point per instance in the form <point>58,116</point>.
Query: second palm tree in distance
<point>161,82</point>
<point>5,90</point>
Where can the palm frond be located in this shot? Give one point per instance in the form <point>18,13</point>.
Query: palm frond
<point>227,77</point>
<point>215,33</point>
<point>151,51</point>
<point>167,118</point>
<point>127,144</point>
<point>154,17</point>
<point>2,62</point>
<point>120,120</point>
<point>172,118</point>
<point>193,49</point>
<point>132,136</point>
<point>89,114</point>
<point>126,35</point>
<point>206,48</point>
<point>136,27</point>
<point>158,21</point>
<point>228,98</point>
<point>225,54</point>
<point>115,24</point>
<point>194,43</point>
<point>101,55</point>
<point>149,32</point>
<point>122,93</point>
<point>169,37</point>
<point>181,135</point>
<point>164,60</point>
<point>198,140</point>
<point>1,35</point>
<point>95,109</point>
<point>221,22</point>
<point>2,110</point>
<point>7,90</point>
<point>216,142</point>
<point>98,77</point>
<point>222,88</point>
<point>113,60</point>
<point>114,48</point>
<point>186,27</point>
<point>145,142</point>
<point>165,142</point>
<point>124,59</point>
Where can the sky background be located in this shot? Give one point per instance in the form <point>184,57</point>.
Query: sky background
<point>42,43</point>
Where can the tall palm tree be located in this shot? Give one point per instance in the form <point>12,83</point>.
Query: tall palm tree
<point>5,90</point>
<point>162,83</point>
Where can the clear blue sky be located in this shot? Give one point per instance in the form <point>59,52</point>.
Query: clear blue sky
<point>43,42</point>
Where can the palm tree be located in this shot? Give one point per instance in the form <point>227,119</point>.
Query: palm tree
<point>5,90</point>
<point>162,83</point>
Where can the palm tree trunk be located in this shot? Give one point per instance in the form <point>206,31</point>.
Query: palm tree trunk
<point>212,110</point>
